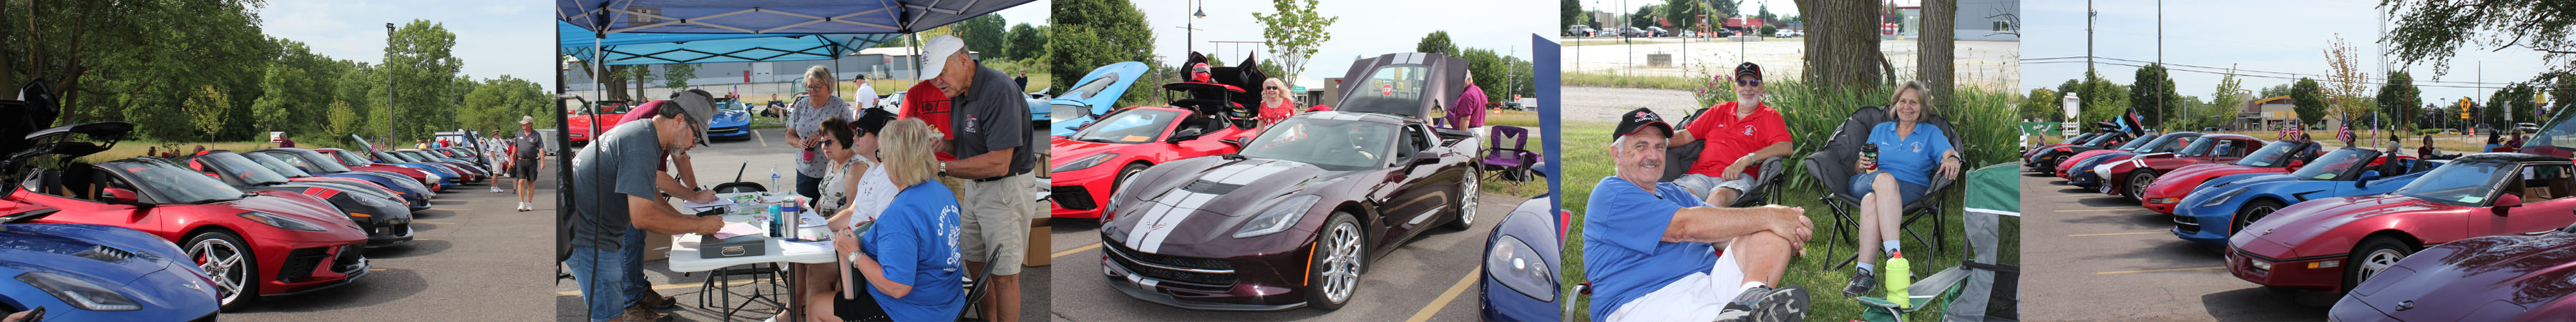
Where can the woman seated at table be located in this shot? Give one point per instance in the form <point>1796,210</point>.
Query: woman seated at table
<point>855,190</point>
<point>1912,152</point>
<point>906,258</point>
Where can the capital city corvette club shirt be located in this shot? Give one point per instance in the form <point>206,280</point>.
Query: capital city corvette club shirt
<point>1624,232</point>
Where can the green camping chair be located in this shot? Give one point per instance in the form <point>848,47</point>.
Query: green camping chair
<point>1979,289</point>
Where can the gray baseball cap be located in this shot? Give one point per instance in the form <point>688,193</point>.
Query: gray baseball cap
<point>698,107</point>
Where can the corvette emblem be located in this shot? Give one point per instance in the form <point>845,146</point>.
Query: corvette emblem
<point>2267,231</point>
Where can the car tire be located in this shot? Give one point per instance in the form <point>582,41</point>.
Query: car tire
<point>2253,211</point>
<point>1468,192</point>
<point>211,248</point>
<point>1337,273</point>
<point>2373,255</point>
<point>2138,184</point>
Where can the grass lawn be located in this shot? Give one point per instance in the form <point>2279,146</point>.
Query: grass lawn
<point>1523,119</point>
<point>1586,159</point>
<point>1607,78</point>
<point>135,148</point>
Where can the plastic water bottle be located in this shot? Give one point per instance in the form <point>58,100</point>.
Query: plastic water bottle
<point>773,177</point>
<point>1898,278</point>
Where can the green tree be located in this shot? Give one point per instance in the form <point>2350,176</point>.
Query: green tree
<point>2042,104</point>
<point>2399,98</point>
<point>1569,13</point>
<point>676,76</point>
<point>1293,33</point>
<point>287,90</point>
<point>343,120</point>
<point>2435,30</point>
<point>984,34</point>
<point>2308,100</point>
<point>1088,34</point>
<point>2273,91</point>
<point>1436,42</point>
<point>206,112</point>
<point>1684,14</point>
<point>1764,13</point>
<point>1645,16</point>
<point>2152,95</point>
<point>1027,41</point>
<point>2229,92</point>
<point>422,66</point>
<point>2561,89</point>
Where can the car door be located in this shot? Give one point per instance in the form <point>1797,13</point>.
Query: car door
<point>1416,200</point>
<point>2545,205</point>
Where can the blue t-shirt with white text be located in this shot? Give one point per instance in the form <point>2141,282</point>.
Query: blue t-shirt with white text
<point>1624,254</point>
<point>916,241</point>
<point>1913,158</point>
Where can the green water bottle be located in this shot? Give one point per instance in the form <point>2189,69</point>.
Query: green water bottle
<point>1898,277</point>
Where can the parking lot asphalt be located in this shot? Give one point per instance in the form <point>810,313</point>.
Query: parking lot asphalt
<point>1432,278</point>
<point>753,160</point>
<point>473,256</point>
<point>2088,256</point>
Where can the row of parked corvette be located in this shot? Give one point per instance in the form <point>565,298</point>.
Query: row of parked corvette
<point>2376,234</point>
<point>151,238</point>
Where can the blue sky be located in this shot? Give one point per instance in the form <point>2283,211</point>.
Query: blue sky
<point>2276,36</point>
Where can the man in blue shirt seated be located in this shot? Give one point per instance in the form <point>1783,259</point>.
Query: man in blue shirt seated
<point>1654,252</point>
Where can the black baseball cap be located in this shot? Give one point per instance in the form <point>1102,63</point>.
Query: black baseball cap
<point>872,120</point>
<point>1639,119</point>
<point>1748,71</point>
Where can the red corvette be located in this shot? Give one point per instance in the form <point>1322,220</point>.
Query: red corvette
<point>2130,177</point>
<point>2324,246</point>
<point>2173,185</point>
<point>251,244</point>
<point>1091,163</point>
<point>577,124</point>
<point>2062,171</point>
<point>335,155</point>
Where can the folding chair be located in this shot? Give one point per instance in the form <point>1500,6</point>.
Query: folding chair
<point>1509,161</point>
<point>1832,168</point>
<point>975,292</point>
<point>1979,289</point>
<point>1682,156</point>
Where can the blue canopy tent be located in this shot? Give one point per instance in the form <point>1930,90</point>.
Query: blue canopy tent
<point>637,32</point>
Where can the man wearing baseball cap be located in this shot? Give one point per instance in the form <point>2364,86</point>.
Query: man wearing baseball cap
<point>1739,135</point>
<point>526,158</point>
<point>1656,252</point>
<point>615,201</point>
<point>989,119</point>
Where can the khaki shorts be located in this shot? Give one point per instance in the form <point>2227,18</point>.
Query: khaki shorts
<point>995,229</point>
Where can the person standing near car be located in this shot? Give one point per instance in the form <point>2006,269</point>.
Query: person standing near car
<point>1469,112</point>
<point>866,97</point>
<point>527,153</point>
<point>1739,135</point>
<point>1275,104</point>
<point>819,104</point>
<point>615,202</point>
<point>990,119</point>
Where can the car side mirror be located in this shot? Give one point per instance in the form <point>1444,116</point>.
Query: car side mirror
<point>2506,202</point>
<point>1424,158</point>
<point>2296,163</point>
<point>1238,143</point>
<point>2366,177</point>
<point>1187,134</point>
<point>122,195</point>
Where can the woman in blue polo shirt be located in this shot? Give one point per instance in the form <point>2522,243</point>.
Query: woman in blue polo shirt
<point>1909,154</point>
<point>907,261</point>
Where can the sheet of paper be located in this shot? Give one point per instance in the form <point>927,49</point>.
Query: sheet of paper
<point>801,247</point>
<point>732,230</point>
<point>694,206</point>
<point>811,219</point>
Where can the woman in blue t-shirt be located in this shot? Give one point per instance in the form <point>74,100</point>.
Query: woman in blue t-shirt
<point>1909,154</point>
<point>908,257</point>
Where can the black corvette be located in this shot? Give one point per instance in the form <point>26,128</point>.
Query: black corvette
<point>1294,218</point>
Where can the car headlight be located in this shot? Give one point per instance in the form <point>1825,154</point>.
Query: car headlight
<point>79,293</point>
<point>1086,162</point>
<point>2102,171</point>
<point>281,222</point>
<point>2222,197</point>
<point>1278,217</point>
<point>1518,266</point>
<point>2259,264</point>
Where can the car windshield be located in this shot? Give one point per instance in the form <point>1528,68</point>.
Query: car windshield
<point>2097,140</point>
<point>2141,141</point>
<point>1066,112</point>
<point>1130,126</point>
<point>242,168</point>
<point>2167,143</point>
<point>1087,89</point>
<point>2271,155</point>
<point>175,184</point>
<point>1330,144</point>
<point>2466,183</point>
<point>2199,148</point>
<point>1392,89</point>
<point>351,158</point>
<point>274,164</point>
<point>418,155</point>
<point>2335,165</point>
<point>315,159</point>
<point>2561,133</point>
<point>397,157</point>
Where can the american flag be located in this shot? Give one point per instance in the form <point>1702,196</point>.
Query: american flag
<point>2345,134</point>
<point>2286,128</point>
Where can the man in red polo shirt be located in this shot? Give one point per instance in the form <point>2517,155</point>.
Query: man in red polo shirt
<point>1740,134</point>
<point>927,103</point>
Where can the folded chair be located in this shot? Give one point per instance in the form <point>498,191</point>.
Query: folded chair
<point>1979,289</point>
<point>1831,167</point>
<point>1681,156</point>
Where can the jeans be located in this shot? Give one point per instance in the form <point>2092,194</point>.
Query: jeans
<point>637,287</point>
<point>603,282</point>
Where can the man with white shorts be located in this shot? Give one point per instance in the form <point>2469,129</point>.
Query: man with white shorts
<point>1652,250</point>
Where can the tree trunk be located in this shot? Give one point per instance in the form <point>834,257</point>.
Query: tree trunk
<point>1935,48</point>
<point>1842,52</point>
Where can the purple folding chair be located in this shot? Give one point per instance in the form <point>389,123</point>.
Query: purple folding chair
<point>1510,161</point>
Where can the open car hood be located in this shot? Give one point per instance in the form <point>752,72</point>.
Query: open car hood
<point>1447,79</point>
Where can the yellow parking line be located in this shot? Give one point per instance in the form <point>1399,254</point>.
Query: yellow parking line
<point>1436,304</point>
<point>2160,270</point>
<point>655,287</point>
<point>1075,250</point>
<point>2126,233</point>
<point>2094,210</point>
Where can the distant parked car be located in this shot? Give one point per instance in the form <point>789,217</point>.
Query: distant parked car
<point>1579,30</point>
<point>1657,32</point>
<point>1632,32</point>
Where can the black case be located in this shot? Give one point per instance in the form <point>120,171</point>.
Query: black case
<point>739,246</point>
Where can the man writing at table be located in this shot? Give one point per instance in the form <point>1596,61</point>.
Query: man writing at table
<point>615,200</point>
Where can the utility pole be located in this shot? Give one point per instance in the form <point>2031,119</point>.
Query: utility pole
<point>389,80</point>
<point>2089,16</point>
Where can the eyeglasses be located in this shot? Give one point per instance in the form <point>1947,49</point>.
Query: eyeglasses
<point>1752,82</point>
<point>1270,87</point>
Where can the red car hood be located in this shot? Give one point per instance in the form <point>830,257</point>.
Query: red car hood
<point>2496,278</point>
<point>1069,150</point>
<point>302,207</point>
<point>2079,157</point>
<point>2180,182</point>
<point>2296,225</point>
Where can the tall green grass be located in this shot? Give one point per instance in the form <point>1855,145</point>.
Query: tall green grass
<point>1982,119</point>
<point>1612,79</point>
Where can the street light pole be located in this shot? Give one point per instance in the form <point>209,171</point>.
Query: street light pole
<point>389,80</point>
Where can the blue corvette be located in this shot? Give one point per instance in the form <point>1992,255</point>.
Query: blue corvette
<point>2088,172</point>
<point>1096,95</point>
<point>732,121</point>
<point>2220,207</point>
<point>82,272</point>
<point>1521,260</point>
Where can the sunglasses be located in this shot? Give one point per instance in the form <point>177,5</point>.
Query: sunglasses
<point>1755,82</point>
<point>1270,87</point>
